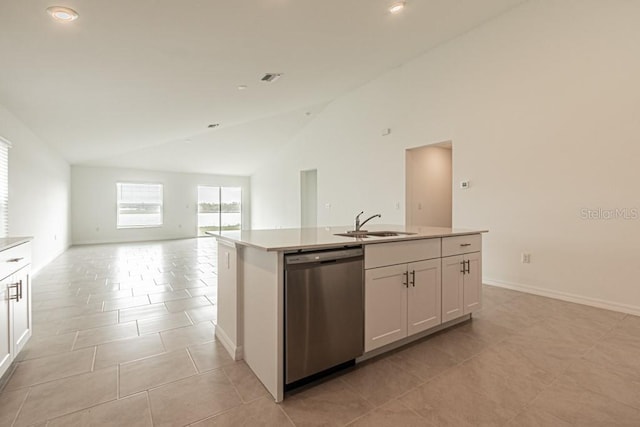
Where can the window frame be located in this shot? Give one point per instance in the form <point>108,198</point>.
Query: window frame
<point>125,227</point>
<point>220,212</point>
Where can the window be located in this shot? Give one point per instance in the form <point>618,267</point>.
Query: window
<point>4,187</point>
<point>219,208</point>
<point>139,205</point>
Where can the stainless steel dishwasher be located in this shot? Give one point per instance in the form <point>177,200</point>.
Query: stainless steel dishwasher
<point>324,311</point>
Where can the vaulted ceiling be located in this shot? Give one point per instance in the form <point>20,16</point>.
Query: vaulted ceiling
<point>136,83</point>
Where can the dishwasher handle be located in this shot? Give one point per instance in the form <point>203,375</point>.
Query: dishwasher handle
<point>323,257</point>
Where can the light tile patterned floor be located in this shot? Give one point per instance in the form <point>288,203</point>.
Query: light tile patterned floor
<point>124,336</point>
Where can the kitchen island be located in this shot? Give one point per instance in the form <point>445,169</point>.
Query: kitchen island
<point>444,289</point>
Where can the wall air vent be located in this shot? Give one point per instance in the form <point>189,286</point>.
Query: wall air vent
<point>271,77</point>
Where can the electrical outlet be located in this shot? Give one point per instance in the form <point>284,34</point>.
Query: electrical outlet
<point>327,205</point>
<point>464,184</point>
<point>526,258</point>
<point>397,206</point>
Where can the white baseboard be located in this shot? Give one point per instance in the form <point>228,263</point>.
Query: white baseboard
<point>565,296</point>
<point>234,351</point>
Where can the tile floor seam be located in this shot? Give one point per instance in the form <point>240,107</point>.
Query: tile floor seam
<point>413,411</point>
<point>15,418</point>
<point>48,420</point>
<point>284,412</point>
<point>582,357</point>
<point>146,392</point>
<point>528,405</point>
<point>427,381</point>
<point>93,361</point>
<point>193,362</point>
<point>118,381</point>
<point>370,411</point>
<point>157,386</point>
<point>356,392</point>
<point>230,382</point>
<point>190,319</point>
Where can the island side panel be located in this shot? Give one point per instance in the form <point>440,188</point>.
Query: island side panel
<point>229,302</point>
<point>263,288</point>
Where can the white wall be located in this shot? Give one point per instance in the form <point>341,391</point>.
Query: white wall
<point>429,187</point>
<point>38,191</point>
<point>93,203</point>
<point>541,105</point>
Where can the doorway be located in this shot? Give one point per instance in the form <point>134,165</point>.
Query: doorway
<point>309,198</point>
<point>429,185</point>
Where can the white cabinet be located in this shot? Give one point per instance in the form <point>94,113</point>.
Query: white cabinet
<point>461,276</point>
<point>15,302</point>
<point>409,288</point>
<point>424,295</point>
<point>472,300</point>
<point>452,287</point>
<point>385,305</point>
<point>22,310</point>
<point>401,300</point>
<point>5,325</point>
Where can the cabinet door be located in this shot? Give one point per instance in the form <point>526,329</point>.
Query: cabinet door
<point>385,311</point>
<point>5,324</point>
<point>22,310</point>
<point>424,302</point>
<point>452,288</point>
<point>473,283</point>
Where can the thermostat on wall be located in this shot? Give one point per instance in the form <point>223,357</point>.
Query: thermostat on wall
<point>464,184</point>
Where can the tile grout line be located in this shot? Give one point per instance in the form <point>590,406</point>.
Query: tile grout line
<point>93,361</point>
<point>26,396</point>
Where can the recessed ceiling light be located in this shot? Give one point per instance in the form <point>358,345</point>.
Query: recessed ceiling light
<point>242,87</point>
<point>62,14</point>
<point>397,7</point>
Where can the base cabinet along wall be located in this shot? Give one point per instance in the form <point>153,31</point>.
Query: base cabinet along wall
<point>15,302</point>
<point>402,299</point>
<point>426,290</point>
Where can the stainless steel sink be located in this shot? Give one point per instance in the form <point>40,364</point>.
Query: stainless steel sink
<point>358,234</point>
<point>364,234</point>
<point>388,233</point>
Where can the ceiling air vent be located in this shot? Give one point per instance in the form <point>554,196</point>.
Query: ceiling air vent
<point>271,77</point>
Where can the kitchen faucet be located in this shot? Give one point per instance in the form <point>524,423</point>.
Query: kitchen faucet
<point>360,224</point>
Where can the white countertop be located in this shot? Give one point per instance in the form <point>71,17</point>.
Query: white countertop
<point>9,242</point>
<point>288,239</point>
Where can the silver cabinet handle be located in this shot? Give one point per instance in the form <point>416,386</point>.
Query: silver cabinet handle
<point>468,266</point>
<point>464,270</point>
<point>16,297</point>
<point>465,244</point>
<point>413,278</point>
<point>15,259</point>
<point>406,279</point>
<point>20,290</point>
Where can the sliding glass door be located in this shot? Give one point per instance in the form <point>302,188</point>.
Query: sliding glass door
<point>219,208</point>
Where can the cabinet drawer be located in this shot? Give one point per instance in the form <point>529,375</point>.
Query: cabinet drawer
<point>461,244</point>
<point>15,258</point>
<point>381,254</point>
